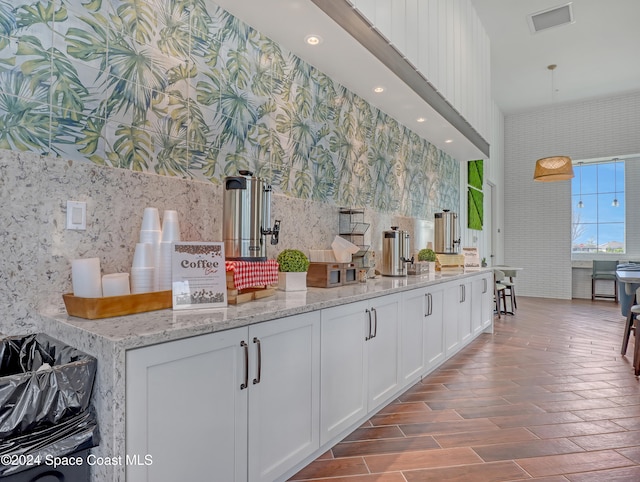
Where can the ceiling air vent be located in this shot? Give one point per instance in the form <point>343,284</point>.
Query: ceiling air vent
<point>552,17</point>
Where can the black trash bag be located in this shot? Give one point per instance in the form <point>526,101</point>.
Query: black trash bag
<point>42,382</point>
<point>73,435</point>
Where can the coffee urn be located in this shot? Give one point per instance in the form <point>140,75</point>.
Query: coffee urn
<point>446,239</point>
<point>246,218</point>
<point>395,252</point>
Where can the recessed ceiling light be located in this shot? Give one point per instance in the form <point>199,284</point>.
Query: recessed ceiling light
<point>421,119</point>
<point>449,141</point>
<point>378,89</point>
<point>313,39</point>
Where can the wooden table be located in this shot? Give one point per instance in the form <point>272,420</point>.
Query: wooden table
<point>630,278</point>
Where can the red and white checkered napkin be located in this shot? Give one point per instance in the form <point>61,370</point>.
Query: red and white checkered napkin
<point>247,274</point>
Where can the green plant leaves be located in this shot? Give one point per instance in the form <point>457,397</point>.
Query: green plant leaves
<point>475,209</point>
<point>183,88</point>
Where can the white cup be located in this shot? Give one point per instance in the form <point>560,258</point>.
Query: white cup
<point>169,215</point>
<point>151,237</point>
<point>142,280</point>
<point>143,256</point>
<point>86,278</point>
<point>150,220</point>
<point>170,231</point>
<point>115,284</point>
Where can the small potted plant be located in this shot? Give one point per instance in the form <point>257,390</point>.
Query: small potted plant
<point>428,256</point>
<point>292,266</point>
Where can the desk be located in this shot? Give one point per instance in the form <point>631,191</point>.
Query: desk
<point>630,278</point>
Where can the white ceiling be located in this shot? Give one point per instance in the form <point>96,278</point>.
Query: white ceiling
<point>597,56</point>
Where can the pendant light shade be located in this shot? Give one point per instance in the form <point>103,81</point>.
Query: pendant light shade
<point>556,168</point>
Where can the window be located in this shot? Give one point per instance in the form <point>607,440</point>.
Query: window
<point>598,206</point>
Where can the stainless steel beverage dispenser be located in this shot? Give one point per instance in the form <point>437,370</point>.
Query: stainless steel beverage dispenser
<point>447,240</point>
<point>246,219</point>
<point>395,252</point>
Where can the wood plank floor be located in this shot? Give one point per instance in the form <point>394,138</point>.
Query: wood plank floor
<point>547,397</point>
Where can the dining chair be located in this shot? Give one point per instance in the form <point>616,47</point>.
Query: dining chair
<point>604,270</point>
<point>631,323</point>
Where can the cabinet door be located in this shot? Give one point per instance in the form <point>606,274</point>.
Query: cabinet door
<point>482,303</point>
<point>464,313</point>
<point>185,408</point>
<point>413,326</point>
<point>487,303</point>
<point>384,359</point>
<point>343,368</point>
<point>284,413</point>
<point>434,331</point>
<point>452,300</point>
<point>478,287</point>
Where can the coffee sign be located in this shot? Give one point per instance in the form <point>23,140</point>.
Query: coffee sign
<point>199,277</point>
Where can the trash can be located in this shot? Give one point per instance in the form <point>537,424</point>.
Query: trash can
<point>47,425</point>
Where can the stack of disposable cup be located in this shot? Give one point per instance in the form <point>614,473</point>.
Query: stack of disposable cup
<point>143,269</point>
<point>170,234</point>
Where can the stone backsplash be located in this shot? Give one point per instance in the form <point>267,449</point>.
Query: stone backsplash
<point>35,264</point>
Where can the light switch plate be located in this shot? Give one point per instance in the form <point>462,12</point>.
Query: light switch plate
<point>76,215</point>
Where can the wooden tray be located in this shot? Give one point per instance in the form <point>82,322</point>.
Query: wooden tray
<point>235,297</point>
<point>107,307</point>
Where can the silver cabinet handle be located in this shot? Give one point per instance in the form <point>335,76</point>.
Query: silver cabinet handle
<point>257,379</point>
<point>369,315</point>
<point>426,295</point>
<point>375,316</point>
<point>429,304</point>
<point>485,285</point>
<point>245,347</point>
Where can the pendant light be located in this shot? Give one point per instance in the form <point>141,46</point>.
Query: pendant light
<point>615,202</point>
<point>580,203</point>
<point>553,168</point>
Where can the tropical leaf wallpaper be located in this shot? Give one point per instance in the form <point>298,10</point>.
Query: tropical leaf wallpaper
<point>183,88</point>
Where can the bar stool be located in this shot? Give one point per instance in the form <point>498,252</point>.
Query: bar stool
<point>604,270</point>
<point>632,325</point>
<point>504,287</point>
<point>499,294</point>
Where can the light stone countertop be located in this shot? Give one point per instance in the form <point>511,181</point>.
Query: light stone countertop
<point>139,330</point>
<point>109,339</point>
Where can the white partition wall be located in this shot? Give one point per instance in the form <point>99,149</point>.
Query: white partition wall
<point>447,44</point>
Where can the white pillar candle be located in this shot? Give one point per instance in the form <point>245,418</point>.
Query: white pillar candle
<point>86,278</point>
<point>115,284</point>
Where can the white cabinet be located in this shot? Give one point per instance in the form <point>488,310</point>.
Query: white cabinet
<point>434,346</point>
<point>413,328</point>
<point>360,367</point>
<point>464,312</point>
<point>457,315</point>
<point>185,408</point>
<point>284,407</point>
<point>422,332</point>
<point>242,403</point>
<point>482,303</point>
